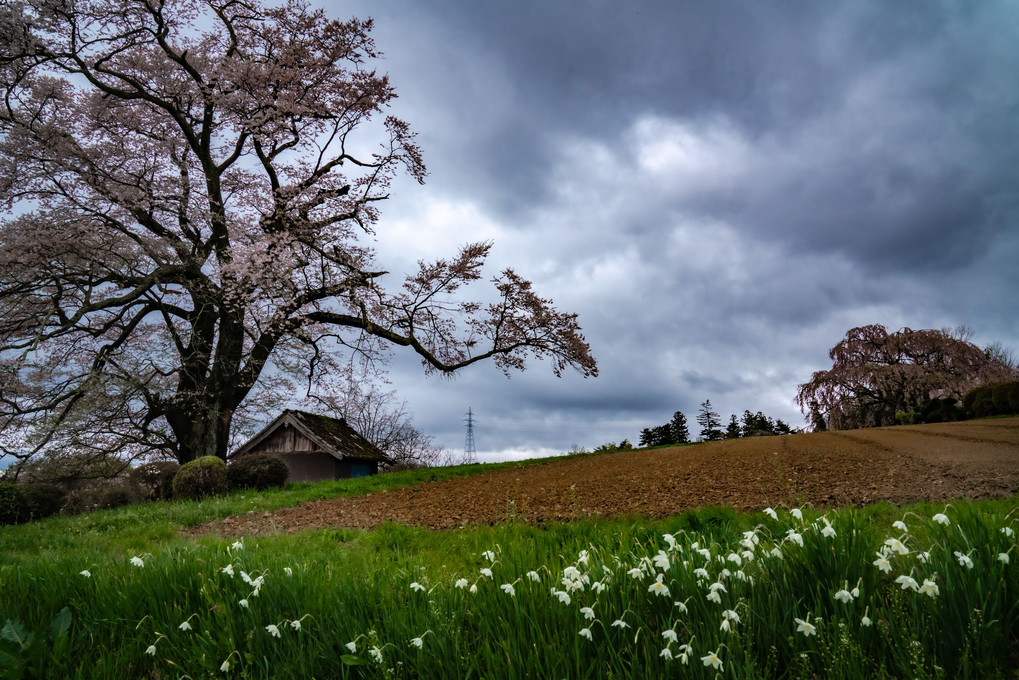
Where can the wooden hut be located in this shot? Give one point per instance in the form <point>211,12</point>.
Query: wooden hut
<point>316,447</point>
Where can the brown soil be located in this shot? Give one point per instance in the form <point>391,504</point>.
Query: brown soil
<point>976,459</point>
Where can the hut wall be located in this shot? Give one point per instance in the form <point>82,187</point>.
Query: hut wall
<point>310,467</point>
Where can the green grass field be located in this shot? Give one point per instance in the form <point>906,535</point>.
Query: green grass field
<point>708,593</point>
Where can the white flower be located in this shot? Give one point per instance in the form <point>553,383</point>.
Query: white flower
<point>1003,558</point>
<point>461,583</point>
<point>563,596</point>
<point>533,575</point>
<point>585,632</point>
<point>666,654</point>
<point>185,626</point>
<point>771,513</point>
<point>571,573</point>
<point>897,546</point>
<point>662,560</point>
<point>882,563</point>
<point>805,627</point>
<point>225,666</point>
<point>670,635</point>
<point>718,585</point>
<point>929,588</point>
<point>473,588</point>
<point>900,525</point>
<point>795,512</point>
<point>273,630</point>
<point>964,560</point>
<point>725,625</point>
<point>923,557</point>
<point>671,540</point>
<point>750,539</point>
<point>796,538</point>
<point>243,603</point>
<point>682,607</point>
<point>730,615</point>
<point>486,572</point>
<point>907,582</point>
<point>489,555</point>
<point>598,587</point>
<point>417,586</point>
<point>86,573</point>
<point>635,573</point>
<point>417,642</point>
<point>1008,531</point>
<point>137,561</point>
<point>659,588</point>
<point>775,552</point>
<point>700,572</point>
<point>296,625</point>
<point>827,531</point>
<point>735,559</point>
<point>151,651</point>
<point>228,570</point>
<point>352,646</point>
<point>588,613</point>
<point>289,571</point>
<point>237,545</point>
<point>712,660</point>
<point>941,519</point>
<point>715,597</point>
<point>865,621</point>
<point>376,653</point>
<point>508,589</point>
<point>582,558</point>
<point>619,623</point>
<point>844,596</point>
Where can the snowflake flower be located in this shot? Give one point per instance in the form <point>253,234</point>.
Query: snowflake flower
<point>296,625</point>
<point>586,633</point>
<point>907,582</point>
<point>900,525</point>
<point>865,621</point>
<point>508,589</point>
<point>771,513</point>
<point>1008,531</point>
<point>711,659</point>
<point>795,537</point>
<point>86,573</point>
<point>701,572</point>
<point>461,583</point>
<point>635,573</point>
<point>682,607</point>
<point>735,559</point>
<point>670,635</point>
<point>151,651</point>
<point>376,653</point>
<point>715,597</point>
<point>844,596</point>
<point>730,615</point>
<point>1003,558</point>
<point>598,587</point>
<point>666,654</point>
<point>897,546</point>
<point>588,613</point>
<point>417,586</point>
<point>185,626</point>
<point>671,541</point>
<point>486,572</point>
<point>352,646</point>
<point>718,585</point>
<point>489,555</point>
<point>964,560</point>
<point>662,560</point>
<point>533,575</point>
<point>417,642</point>
<point>805,627</point>
<point>940,518</point>
<point>563,596</point>
<point>237,545</point>
<point>225,666</point>
<point>882,563</point>
<point>929,588</point>
<point>795,512</point>
<point>228,570</point>
<point>619,623</point>
<point>473,588</point>
<point>828,531</point>
<point>137,561</point>
<point>243,603</point>
<point>273,630</point>
<point>659,588</point>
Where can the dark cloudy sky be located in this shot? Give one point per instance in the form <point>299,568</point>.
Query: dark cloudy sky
<point>719,189</point>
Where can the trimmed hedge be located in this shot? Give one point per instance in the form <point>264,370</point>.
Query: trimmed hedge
<point>992,400</point>
<point>202,477</point>
<point>257,471</point>
<point>102,497</point>
<point>26,502</point>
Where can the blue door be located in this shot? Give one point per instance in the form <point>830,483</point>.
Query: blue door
<point>360,469</point>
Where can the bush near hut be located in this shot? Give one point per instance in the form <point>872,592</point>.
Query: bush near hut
<point>1001,399</point>
<point>202,477</point>
<point>155,479</point>
<point>257,471</point>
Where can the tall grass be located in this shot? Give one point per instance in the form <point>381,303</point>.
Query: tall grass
<point>793,597</point>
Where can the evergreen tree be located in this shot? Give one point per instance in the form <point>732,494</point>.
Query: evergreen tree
<point>733,431</point>
<point>709,422</point>
<point>680,432</point>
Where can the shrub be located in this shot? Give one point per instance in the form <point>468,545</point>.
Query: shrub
<point>101,497</point>
<point>257,471</point>
<point>999,395</point>
<point>11,503</point>
<point>42,500</point>
<point>205,476</point>
<point>155,479</point>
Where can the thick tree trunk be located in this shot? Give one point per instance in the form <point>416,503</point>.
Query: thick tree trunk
<point>201,432</point>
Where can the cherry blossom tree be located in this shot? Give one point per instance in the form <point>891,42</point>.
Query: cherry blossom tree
<point>876,374</point>
<point>191,189</point>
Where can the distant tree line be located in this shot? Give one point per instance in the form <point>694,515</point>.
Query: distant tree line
<point>676,430</point>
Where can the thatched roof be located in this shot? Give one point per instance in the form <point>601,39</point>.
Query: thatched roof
<point>332,435</point>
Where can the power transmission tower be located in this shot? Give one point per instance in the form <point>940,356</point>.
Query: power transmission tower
<point>470,452</point>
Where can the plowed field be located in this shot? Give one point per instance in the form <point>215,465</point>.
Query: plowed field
<point>976,459</point>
